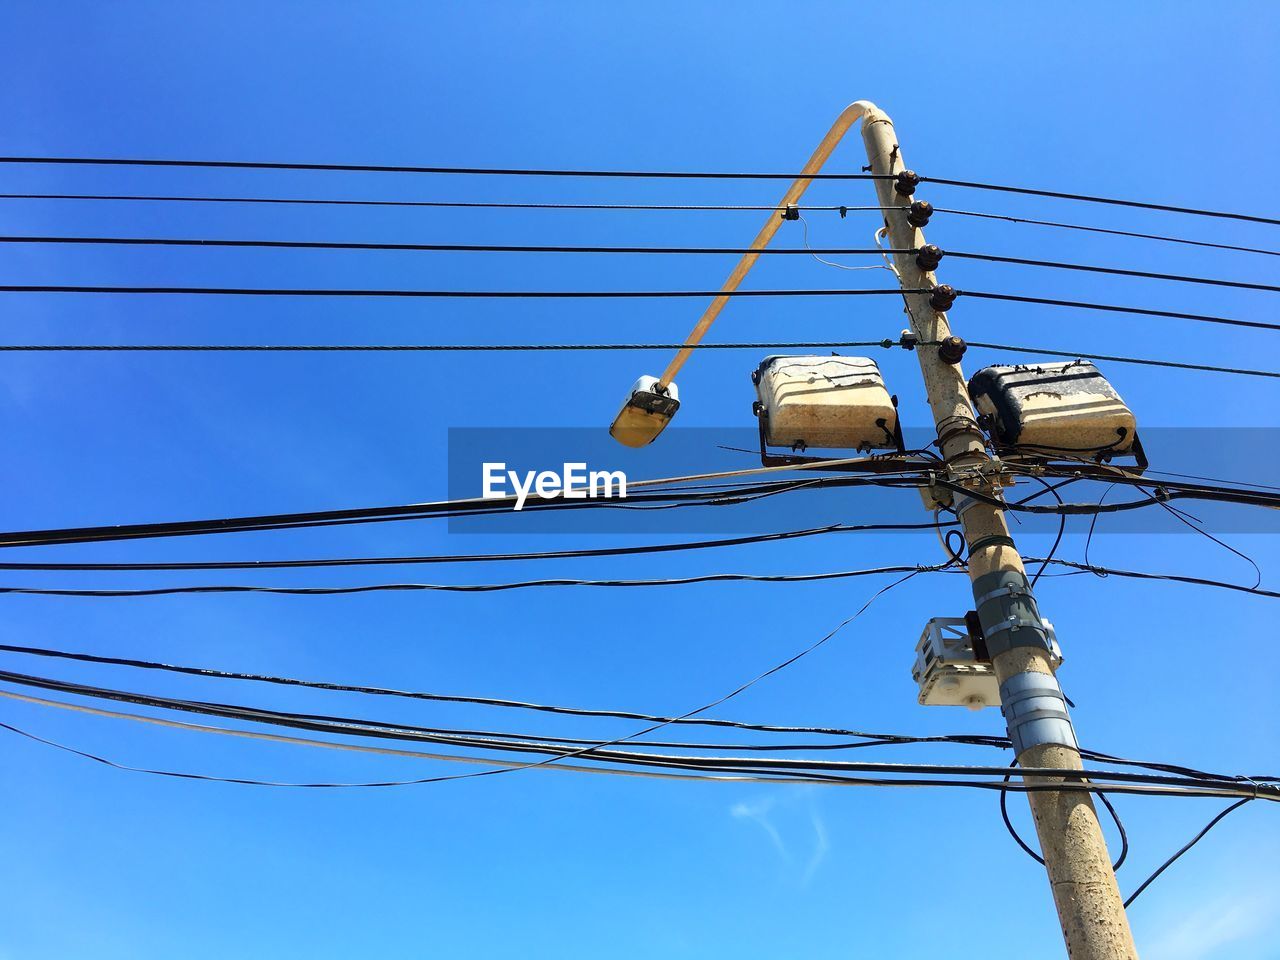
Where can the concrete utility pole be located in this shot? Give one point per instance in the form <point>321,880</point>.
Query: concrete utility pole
<point>1084,887</point>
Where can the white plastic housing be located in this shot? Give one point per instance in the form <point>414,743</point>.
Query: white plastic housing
<point>645,413</point>
<point>830,402</point>
<point>949,675</point>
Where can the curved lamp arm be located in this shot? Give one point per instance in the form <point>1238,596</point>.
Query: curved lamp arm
<point>849,116</point>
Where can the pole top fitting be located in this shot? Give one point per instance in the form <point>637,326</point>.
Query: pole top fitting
<point>919,212</point>
<point>951,349</point>
<point>928,257</point>
<point>943,297</point>
<point>906,182</point>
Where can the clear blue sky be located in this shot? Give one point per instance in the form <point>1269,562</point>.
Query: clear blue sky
<point>1174,102</point>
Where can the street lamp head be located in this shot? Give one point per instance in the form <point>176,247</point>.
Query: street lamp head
<point>646,412</point>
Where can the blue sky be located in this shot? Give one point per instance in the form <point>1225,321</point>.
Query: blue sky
<point>1171,103</point>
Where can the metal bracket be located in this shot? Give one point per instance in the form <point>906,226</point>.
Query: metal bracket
<point>1008,612</point>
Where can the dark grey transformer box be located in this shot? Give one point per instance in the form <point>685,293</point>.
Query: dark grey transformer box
<point>1054,409</point>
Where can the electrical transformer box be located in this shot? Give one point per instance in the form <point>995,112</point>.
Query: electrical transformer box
<point>1053,408</point>
<point>829,402</point>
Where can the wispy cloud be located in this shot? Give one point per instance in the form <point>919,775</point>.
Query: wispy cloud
<point>765,814</point>
<point>1202,931</point>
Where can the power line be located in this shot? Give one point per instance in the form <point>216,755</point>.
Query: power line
<point>452,204</point>
<point>476,587</point>
<point>421,347</point>
<point>1113,271</point>
<point>467,171</point>
<point>829,780</point>
<point>672,207</point>
<point>1112,308</point>
<point>1172,577</point>
<point>616,174</point>
<point>209,672</point>
<point>1088,198</point>
<point>445,508</point>
<point>446,294</point>
<point>660,207</point>
<point>575,582</point>
<point>1184,848</point>
<point>634,550</point>
<point>1142,361</point>
<point>479,506</point>
<point>429,247</point>
<point>1213,786</point>
<point>876,739</point>
<point>544,347</point>
<point>598,249</point>
<point>1091,229</point>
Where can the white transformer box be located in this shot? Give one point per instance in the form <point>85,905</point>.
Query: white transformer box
<point>829,402</point>
<point>950,674</point>
<point>1053,408</point>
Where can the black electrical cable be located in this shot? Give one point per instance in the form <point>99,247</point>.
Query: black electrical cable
<point>534,347</point>
<point>429,247</point>
<point>421,511</point>
<point>1185,847</point>
<point>450,204</point>
<point>765,777</point>
<point>1142,361</point>
<point>447,294</point>
<point>1090,229</point>
<point>630,174</point>
<point>1094,199</point>
<point>1260,494</point>
<point>1062,529</point>
<point>672,207</point>
<point>209,672</point>
<point>869,737</point>
<point>423,347</point>
<point>469,171</point>
<point>481,507</point>
<point>1087,567</point>
<point>1114,271</point>
<point>479,557</point>
<point>1072,779</point>
<point>475,587</point>
<point>1113,308</point>
<point>568,582</point>
<point>1115,817</point>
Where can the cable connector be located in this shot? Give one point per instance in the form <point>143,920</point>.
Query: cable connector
<point>906,182</point>
<point>943,297</point>
<point>919,212</point>
<point>908,340</point>
<point>951,349</point>
<point>791,212</point>
<point>928,257</point>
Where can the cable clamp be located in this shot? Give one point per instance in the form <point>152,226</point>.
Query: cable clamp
<point>791,212</point>
<point>908,340</point>
<point>1011,590</point>
<point>995,540</point>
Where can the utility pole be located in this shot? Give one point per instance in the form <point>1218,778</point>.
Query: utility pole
<point>1092,914</point>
